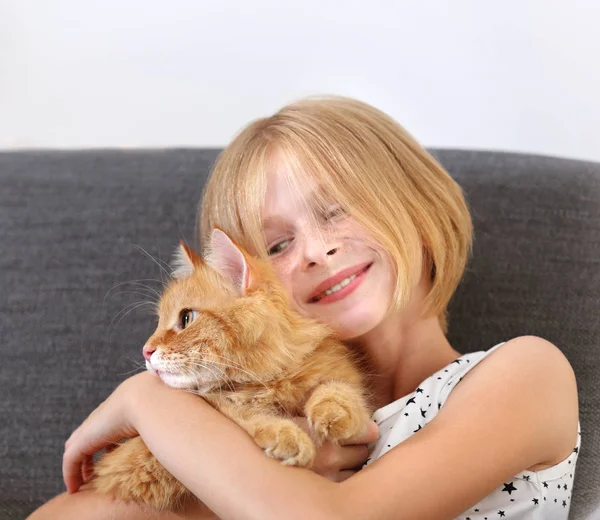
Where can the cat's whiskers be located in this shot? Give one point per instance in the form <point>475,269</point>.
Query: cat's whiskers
<point>157,261</point>
<point>218,378</point>
<point>186,370</point>
<point>151,299</point>
<point>140,366</point>
<point>237,366</point>
<point>124,312</point>
<point>197,392</point>
<point>135,370</point>
<point>136,283</point>
<point>224,377</point>
<point>212,361</point>
<point>255,379</point>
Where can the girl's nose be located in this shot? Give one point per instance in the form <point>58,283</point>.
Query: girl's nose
<point>317,255</point>
<point>148,351</point>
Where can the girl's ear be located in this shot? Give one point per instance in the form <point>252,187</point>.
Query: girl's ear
<point>184,261</point>
<point>229,260</point>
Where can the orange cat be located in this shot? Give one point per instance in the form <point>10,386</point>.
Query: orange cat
<point>227,332</point>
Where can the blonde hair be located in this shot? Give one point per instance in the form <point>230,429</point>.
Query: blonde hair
<point>367,162</point>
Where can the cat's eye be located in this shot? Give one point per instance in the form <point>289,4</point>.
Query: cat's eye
<point>186,316</point>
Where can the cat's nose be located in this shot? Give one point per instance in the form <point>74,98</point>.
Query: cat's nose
<point>148,351</point>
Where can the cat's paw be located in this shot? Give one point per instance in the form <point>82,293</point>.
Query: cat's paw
<point>336,417</point>
<point>285,441</point>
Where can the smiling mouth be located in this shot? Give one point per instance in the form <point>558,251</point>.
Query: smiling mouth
<point>339,286</point>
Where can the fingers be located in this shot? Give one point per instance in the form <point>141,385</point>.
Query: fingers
<point>73,465</point>
<point>331,458</point>
<point>111,447</point>
<point>339,462</point>
<point>87,468</point>
<point>72,474</point>
<point>343,475</point>
<point>91,436</point>
<point>370,435</point>
<point>353,457</point>
<point>108,423</point>
<point>78,458</point>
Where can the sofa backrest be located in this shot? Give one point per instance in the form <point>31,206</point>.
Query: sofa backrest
<point>75,228</point>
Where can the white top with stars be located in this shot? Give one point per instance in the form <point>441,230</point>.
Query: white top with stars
<point>527,496</point>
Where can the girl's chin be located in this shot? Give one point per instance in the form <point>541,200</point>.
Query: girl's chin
<point>352,334</point>
<point>349,319</point>
<point>353,326</point>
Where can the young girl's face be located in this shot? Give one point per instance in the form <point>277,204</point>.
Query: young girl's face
<point>331,268</point>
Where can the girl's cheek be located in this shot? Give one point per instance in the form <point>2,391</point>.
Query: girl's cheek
<point>283,267</point>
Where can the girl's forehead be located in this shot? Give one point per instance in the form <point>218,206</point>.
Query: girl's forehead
<point>286,192</point>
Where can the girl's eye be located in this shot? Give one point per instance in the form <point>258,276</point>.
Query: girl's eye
<point>186,317</point>
<point>279,247</point>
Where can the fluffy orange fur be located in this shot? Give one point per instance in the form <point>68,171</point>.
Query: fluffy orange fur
<point>252,357</point>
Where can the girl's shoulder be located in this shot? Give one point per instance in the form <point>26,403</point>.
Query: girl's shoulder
<point>538,373</point>
<point>516,409</point>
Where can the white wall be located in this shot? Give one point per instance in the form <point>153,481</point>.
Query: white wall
<point>519,74</point>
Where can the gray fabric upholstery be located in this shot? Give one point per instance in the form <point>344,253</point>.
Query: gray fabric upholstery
<point>71,224</point>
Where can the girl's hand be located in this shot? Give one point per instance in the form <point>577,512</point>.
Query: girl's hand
<point>337,463</point>
<point>106,425</point>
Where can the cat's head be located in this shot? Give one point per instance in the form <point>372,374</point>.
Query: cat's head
<point>225,319</point>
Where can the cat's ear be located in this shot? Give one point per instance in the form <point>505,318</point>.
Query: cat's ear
<point>184,261</point>
<point>227,258</point>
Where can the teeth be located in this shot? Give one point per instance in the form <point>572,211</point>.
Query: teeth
<point>340,285</point>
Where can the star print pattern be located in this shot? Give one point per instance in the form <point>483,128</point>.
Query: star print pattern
<point>528,495</point>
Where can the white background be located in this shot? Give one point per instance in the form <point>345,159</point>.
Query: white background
<point>518,75</point>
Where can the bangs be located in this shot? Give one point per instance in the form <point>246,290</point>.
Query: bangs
<point>237,198</point>
<point>305,170</point>
<point>343,173</point>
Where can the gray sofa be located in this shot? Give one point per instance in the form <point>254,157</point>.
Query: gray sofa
<point>74,227</point>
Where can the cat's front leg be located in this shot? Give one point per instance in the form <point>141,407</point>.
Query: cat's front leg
<point>280,438</point>
<point>131,472</point>
<point>337,411</point>
<point>284,440</point>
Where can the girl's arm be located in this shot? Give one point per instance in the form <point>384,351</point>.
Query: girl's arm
<point>220,463</point>
<point>491,428</point>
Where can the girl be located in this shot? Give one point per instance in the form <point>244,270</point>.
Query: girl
<point>330,186</point>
